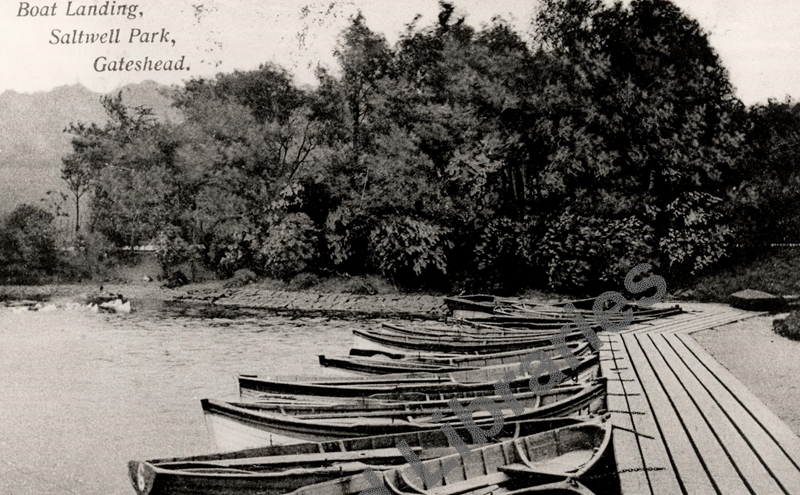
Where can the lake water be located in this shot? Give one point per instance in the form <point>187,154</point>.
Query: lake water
<point>84,393</point>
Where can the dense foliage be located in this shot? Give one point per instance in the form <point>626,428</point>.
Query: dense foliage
<point>460,158</point>
<point>28,250</point>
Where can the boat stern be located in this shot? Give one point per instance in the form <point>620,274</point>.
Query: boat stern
<point>142,476</point>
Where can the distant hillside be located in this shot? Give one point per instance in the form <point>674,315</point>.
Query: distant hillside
<point>32,137</point>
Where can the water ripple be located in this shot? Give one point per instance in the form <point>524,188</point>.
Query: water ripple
<point>84,393</point>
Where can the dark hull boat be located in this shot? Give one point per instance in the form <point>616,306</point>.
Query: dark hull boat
<point>383,340</point>
<point>376,367</point>
<point>484,303</point>
<point>244,425</point>
<point>265,470</point>
<point>487,303</point>
<point>400,405</point>
<point>518,319</point>
<point>562,461</point>
<point>462,327</point>
<point>478,380</point>
<point>388,363</point>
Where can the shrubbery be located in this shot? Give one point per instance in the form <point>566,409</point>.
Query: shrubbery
<point>408,251</point>
<point>591,253</point>
<point>28,252</point>
<point>290,246</point>
<point>788,327</point>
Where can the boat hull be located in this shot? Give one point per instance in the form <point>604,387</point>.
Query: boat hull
<point>185,475</point>
<point>391,342</point>
<point>480,381</point>
<point>236,434</point>
<point>546,463</point>
<point>254,425</point>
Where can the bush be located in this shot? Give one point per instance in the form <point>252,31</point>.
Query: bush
<point>403,249</point>
<point>93,255</point>
<point>233,252</point>
<point>290,246</point>
<point>497,266</point>
<point>171,249</point>
<point>28,250</point>
<point>788,327</point>
<point>592,254</point>
<point>176,279</point>
<point>347,238</point>
<point>698,237</point>
<point>303,281</point>
<point>241,278</point>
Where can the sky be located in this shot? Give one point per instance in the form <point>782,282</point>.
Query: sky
<point>757,40</point>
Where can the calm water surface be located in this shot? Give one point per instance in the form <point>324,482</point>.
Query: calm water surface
<point>84,393</point>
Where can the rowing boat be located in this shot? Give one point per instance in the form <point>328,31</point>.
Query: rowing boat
<point>487,303</point>
<point>517,327</point>
<point>263,470</point>
<point>380,339</point>
<point>516,317</point>
<point>378,367</point>
<point>399,403</point>
<point>241,425</point>
<point>389,363</point>
<point>582,453</point>
<point>484,303</point>
<point>477,380</point>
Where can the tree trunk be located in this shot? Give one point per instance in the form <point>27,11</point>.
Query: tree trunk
<point>77,215</point>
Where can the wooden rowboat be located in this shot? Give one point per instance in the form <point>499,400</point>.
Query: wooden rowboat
<point>482,328</point>
<point>377,367</point>
<point>477,380</point>
<point>477,302</point>
<point>244,425</point>
<point>517,466</point>
<point>388,363</point>
<point>262,471</point>
<point>486,303</point>
<point>519,320</point>
<point>383,340</point>
<point>397,404</point>
<point>479,360</point>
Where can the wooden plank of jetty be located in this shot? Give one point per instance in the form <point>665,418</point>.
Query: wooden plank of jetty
<point>706,452</point>
<point>677,456</point>
<point>778,451</point>
<point>754,472</point>
<point>692,321</point>
<point>639,454</point>
<point>683,423</point>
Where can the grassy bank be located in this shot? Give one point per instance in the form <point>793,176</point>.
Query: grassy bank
<point>773,271</point>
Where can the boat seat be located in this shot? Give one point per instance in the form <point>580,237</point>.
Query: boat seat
<point>474,486</point>
<point>566,463</point>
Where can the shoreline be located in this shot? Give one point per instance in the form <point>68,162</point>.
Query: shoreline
<point>267,296</point>
<point>261,297</point>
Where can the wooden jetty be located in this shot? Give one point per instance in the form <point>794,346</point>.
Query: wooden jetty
<point>683,423</point>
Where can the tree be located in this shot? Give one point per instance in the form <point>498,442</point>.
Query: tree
<point>79,182</point>
<point>364,59</point>
<point>94,147</point>
<point>638,118</point>
<point>28,247</point>
<point>765,189</point>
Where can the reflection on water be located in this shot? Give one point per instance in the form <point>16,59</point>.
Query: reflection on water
<point>84,393</point>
